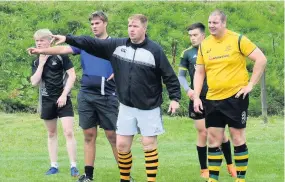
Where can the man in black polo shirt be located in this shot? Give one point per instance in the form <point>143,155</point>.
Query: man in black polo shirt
<point>56,76</point>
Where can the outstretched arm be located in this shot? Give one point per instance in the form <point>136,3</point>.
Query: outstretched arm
<point>57,50</point>
<point>96,47</point>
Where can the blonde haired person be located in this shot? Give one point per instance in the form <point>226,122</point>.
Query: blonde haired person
<point>97,99</point>
<point>55,75</point>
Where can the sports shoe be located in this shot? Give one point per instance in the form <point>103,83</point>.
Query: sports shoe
<point>74,172</point>
<point>204,173</point>
<point>52,170</point>
<point>132,179</point>
<point>232,170</point>
<point>84,178</point>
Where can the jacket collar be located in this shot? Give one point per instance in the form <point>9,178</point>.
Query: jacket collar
<point>135,46</point>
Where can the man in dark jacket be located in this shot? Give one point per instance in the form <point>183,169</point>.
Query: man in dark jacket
<point>140,66</point>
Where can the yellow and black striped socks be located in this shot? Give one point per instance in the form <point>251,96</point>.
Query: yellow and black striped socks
<point>125,165</point>
<point>151,164</point>
<point>241,160</point>
<point>215,158</point>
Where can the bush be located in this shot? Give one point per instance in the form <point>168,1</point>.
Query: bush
<point>168,22</point>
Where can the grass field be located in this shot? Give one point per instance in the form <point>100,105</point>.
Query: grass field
<point>24,157</point>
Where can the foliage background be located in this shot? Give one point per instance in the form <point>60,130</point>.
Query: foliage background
<point>262,22</point>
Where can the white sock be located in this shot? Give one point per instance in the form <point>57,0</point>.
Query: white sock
<point>54,164</point>
<point>72,164</point>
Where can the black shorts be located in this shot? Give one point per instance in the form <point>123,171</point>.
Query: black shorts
<point>195,115</point>
<point>50,110</point>
<point>231,111</point>
<point>97,110</point>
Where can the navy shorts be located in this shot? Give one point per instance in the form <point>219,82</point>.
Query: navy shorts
<point>97,110</point>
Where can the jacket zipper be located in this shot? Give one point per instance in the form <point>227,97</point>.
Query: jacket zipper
<point>130,77</point>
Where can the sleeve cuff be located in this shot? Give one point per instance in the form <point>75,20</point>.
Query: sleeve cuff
<point>176,99</point>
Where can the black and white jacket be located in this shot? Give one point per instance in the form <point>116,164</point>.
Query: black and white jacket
<point>139,69</point>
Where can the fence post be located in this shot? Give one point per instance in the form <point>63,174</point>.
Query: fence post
<point>263,98</point>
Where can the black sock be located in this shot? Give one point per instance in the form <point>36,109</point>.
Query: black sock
<point>226,148</point>
<point>89,171</point>
<point>202,155</point>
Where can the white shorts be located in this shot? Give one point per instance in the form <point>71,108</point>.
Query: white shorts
<point>146,122</point>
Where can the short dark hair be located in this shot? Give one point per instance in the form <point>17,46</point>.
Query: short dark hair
<point>198,25</point>
<point>99,14</point>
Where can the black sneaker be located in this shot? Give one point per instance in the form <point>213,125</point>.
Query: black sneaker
<point>84,178</point>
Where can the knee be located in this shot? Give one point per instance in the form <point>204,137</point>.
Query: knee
<point>52,134</point>
<point>238,137</point>
<point>68,134</point>
<point>89,137</point>
<point>122,146</point>
<point>214,139</point>
<point>238,140</point>
<point>149,144</point>
<point>111,138</point>
<point>202,132</point>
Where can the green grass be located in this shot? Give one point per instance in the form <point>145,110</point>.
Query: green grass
<point>24,157</point>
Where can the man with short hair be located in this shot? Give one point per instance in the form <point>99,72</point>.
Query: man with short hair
<point>56,76</point>
<point>222,59</point>
<point>97,99</point>
<point>196,33</point>
<point>140,66</point>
